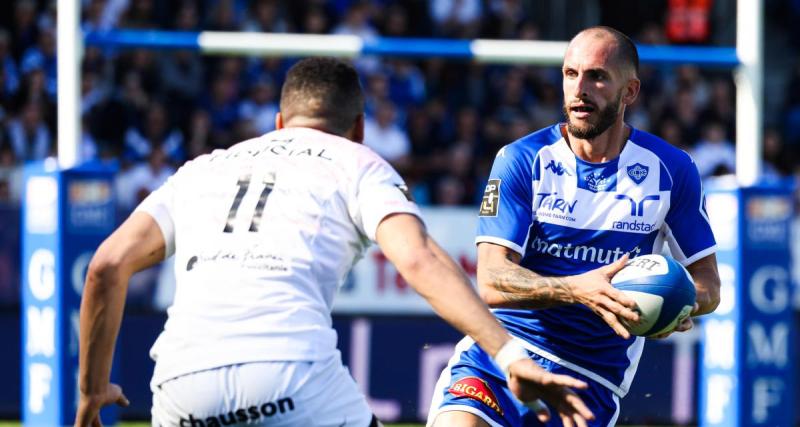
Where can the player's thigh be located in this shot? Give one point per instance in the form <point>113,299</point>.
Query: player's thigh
<point>472,390</point>
<point>471,384</point>
<point>603,403</point>
<point>460,419</point>
<point>263,393</point>
<point>333,392</point>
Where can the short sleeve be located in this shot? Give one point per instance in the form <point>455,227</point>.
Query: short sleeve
<point>380,191</point>
<point>689,232</point>
<point>159,205</point>
<point>505,213</point>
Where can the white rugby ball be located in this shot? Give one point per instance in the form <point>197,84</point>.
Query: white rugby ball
<point>663,290</point>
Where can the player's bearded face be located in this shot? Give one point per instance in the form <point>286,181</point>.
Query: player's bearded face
<point>597,122</point>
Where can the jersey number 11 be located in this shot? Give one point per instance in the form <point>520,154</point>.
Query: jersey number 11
<point>244,184</point>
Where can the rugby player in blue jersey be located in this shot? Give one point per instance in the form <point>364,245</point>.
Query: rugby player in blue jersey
<point>563,210</point>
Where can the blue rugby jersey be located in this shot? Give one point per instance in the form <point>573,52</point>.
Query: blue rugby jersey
<point>566,216</point>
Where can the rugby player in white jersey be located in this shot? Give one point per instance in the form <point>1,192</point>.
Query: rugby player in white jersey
<point>263,234</point>
<point>564,208</point>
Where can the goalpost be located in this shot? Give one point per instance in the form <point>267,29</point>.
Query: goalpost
<point>746,59</point>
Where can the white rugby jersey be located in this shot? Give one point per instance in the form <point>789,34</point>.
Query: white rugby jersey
<point>566,216</point>
<point>263,234</point>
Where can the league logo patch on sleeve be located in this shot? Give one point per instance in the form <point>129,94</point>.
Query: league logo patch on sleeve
<point>491,199</point>
<point>477,389</point>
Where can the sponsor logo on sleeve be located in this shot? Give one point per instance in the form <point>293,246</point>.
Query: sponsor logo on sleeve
<point>638,172</point>
<point>491,199</point>
<point>476,389</point>
<point>404,189</point>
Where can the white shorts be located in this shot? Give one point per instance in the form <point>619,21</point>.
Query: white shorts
<point>306,394</point>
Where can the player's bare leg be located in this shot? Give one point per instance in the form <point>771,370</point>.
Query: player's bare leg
<point>458,418</point>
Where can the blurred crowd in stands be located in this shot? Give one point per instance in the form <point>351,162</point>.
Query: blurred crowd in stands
<point>439,121</point>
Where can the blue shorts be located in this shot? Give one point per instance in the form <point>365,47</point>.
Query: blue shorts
<point>473,383</point>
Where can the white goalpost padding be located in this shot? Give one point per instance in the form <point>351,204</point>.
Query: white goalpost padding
<point>70,55</point>
<point>749,77</point>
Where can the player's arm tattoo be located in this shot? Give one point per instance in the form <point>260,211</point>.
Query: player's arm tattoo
<point>523,288</point>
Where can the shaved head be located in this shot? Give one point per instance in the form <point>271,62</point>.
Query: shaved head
<point>600,78</point>
<point>625,53</point>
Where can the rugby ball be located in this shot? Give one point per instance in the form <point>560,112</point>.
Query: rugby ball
<point>663,290</point>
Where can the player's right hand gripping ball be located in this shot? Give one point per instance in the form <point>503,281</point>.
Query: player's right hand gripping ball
<point>663,290</point>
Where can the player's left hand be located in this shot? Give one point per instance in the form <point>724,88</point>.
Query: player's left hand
<point>89,405</point>
<point>529,382</point>
<point>684,326</point>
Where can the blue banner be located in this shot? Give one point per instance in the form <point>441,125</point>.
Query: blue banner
<point>66,215</point>
<point>747,369</point>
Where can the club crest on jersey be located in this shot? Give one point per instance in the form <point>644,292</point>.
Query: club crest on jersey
<point>476,389</point>
<point>638,172</point>
<point>596,181</point>
<point>491,199</point>
<point>557,168</point>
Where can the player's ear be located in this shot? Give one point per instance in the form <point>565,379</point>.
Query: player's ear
<point>278,120</point>
<point>631,91</point>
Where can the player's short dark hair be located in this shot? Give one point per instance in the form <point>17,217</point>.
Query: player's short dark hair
<point>327,89</point>
<point>626,49</point>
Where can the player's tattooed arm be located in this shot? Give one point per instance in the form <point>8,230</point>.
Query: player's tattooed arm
<point>519,287</point>
<point>504,283</point>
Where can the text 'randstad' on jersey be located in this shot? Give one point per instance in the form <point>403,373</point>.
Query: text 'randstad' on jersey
<point>566,216</point>
<point>263,234</point>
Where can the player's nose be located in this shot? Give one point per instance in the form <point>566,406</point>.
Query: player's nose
<point>580,88</point>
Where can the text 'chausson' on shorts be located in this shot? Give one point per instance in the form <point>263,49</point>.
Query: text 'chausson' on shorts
<point>285,394</point>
